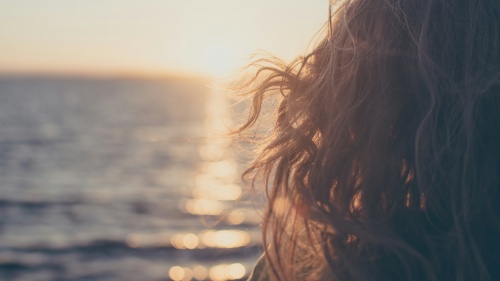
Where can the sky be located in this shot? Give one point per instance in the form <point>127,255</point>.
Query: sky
<point>152,36</point>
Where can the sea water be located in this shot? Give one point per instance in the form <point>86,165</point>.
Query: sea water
<point>120,179</point>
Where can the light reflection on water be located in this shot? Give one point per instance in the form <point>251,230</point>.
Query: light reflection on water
<point>219,170</point>
<point>211,239</point>
<point>107,180</point>
<point>233,271</point>
<point>218,192</point>
<point>201,207</point>
<point>215,191</point>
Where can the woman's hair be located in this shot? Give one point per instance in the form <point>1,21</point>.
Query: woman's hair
<point>384,159</point>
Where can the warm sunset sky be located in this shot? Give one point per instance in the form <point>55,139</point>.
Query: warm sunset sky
<point>151,36</point>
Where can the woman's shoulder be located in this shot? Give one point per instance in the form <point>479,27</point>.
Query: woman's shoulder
<point>260,271</point>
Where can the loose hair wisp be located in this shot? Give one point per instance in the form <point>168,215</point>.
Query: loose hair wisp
<point>384,159</point>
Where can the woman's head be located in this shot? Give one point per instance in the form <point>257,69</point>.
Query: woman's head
<point>385,156</point>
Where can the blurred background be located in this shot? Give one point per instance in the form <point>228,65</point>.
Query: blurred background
<point>113,163</point>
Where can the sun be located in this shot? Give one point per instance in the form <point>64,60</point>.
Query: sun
<point>220,59</point>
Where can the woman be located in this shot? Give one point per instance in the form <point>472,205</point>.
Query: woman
<point>384,160</point>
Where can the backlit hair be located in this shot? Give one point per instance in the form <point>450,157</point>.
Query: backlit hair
<point>384,160</point>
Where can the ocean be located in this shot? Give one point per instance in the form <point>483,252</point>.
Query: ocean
<point>121,179</point>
